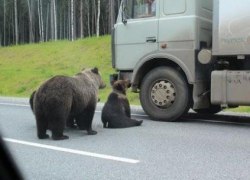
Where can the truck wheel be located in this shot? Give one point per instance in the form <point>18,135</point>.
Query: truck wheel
<point>164,94</point>
<point>211,110</point>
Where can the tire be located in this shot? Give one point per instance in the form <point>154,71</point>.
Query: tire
<point>164,94</point>
<point>213,109</point>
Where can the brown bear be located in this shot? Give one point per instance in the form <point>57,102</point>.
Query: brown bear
<point>116,111</point>
<point>62,100</point>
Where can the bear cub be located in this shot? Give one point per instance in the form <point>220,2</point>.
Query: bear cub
<point>116,111</point>
<point>65,101</point>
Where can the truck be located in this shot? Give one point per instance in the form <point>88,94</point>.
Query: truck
<point>182,54</point>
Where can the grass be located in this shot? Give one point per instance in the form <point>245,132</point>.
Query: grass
<point>23,68</point>
<point>239,109</point>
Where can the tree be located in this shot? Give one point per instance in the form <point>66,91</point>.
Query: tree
<point>98,18</point>
<point>4,22</point>
<point>111,14</point>
<point>47,21</point>
<point>88,17</point>
<point>16,23</point>
<point>54,18</point>
<point>31,36</point>
<point>40,17</point>
<point>28,21</point>
<point>81,19</point>
<point>72,20</point>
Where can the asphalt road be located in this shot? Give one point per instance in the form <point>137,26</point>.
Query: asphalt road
<point>215,147</point>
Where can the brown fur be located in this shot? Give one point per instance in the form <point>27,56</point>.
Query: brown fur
<point>116,112</point>
<point>62,99</point>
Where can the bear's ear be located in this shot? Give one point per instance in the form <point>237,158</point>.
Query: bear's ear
<point>95,70</point>
<point>112,82</point>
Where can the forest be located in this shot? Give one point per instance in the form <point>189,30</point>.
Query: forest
<point>30,21</point>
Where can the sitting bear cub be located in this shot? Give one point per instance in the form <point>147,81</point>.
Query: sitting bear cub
<point>64,100</point>
<point>116,111</point>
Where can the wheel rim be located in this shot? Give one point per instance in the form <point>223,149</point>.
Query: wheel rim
<point>163,94</point>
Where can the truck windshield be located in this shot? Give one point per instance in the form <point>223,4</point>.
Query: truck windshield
<point>139,8</point>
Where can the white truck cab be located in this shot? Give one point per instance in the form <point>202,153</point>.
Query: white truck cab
<point>181,54</point>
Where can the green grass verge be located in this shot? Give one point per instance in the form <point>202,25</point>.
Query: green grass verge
<point>23,68</point>
<point>239,109</point>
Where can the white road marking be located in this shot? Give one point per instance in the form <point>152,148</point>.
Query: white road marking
<point>73,151</point>
<point>12,104</point>
<point>24,105</point>
<point>140,115</point>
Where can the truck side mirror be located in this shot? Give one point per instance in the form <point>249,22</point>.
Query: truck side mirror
<point>124,10</point>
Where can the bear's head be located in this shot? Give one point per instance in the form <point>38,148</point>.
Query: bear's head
<point>94,76</point>
<point>121,86</point>
<point>98,77</point>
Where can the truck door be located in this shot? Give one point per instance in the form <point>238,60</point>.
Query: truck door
<point>136,32</point>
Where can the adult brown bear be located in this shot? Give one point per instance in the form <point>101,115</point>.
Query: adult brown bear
<point>62,99</point>
<point>116,112</point>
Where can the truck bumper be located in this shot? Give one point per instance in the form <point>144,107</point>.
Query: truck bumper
<point>121,75</point>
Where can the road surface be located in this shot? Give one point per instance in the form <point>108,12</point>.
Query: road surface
<point>215,147</point>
